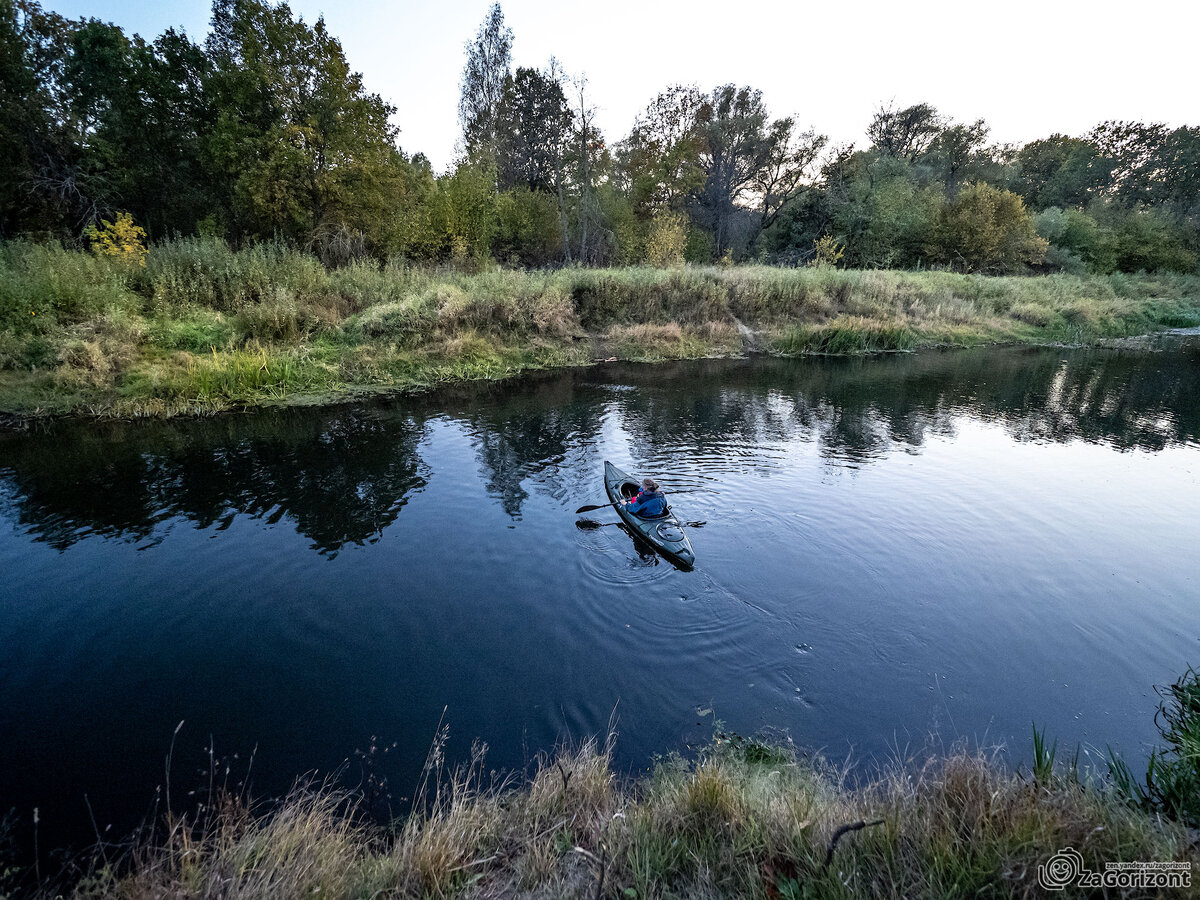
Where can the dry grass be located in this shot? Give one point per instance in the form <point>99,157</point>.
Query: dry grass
<point>743,819</point>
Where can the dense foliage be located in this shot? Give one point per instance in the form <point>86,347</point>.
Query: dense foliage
<point>264,131</point>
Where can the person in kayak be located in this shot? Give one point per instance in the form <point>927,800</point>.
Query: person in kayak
<point>649,501</point>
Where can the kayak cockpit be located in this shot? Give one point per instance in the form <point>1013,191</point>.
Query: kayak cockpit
<point>629,490</point>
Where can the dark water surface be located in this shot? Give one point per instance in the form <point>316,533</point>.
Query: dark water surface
<point>953,543</point>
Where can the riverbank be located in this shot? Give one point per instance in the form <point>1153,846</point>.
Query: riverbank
<point>202,328</point>
<point>739,818</point>
<point>743,819</point>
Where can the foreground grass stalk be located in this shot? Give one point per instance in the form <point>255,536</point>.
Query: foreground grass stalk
<point>201,327</point>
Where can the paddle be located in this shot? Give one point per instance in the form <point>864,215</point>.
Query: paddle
<point>584,509</point>
<point>589,524</point>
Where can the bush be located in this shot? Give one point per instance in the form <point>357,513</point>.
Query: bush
<point>281,318</point>
<point>1050,224</point>
<point>397,320</point>
<point>1032,314</point>
<point>120,240</point>
<point>1145,242</point>
<point>528,228</point>
<point>827,252</point>
<point>199,332</point>
<point>666,241</point>
<point>43,284</point>
<point>206,272</point>
<point>1060,259</point>
<point>987,229</point>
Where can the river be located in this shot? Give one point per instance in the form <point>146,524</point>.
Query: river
<point>898,553</point>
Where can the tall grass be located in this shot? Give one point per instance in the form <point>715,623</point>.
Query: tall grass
<point>741,819</point>
<point>1172,781</point>
<point>197,297</point>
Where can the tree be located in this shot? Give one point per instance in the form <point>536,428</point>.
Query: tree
<point>301,146</point>
<point>590,158</point>
<point>481,91</point>
<point>47,187</point>
<point>660,159</point>
<point>1176,165</point>
<point>533,131</point>
<point>957,152</point>
<point>786,158</point>
<point>140,110</point>
<point>1130,149</point>
<point>1061,171</point>
<point>905,133</point>
<point>18,119</point>
<point>987,229</point>
<point>733,125</point>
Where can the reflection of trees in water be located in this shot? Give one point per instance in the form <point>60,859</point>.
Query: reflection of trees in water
<point>858,409</point>
<point>528,434</point>
<point>340,475</point>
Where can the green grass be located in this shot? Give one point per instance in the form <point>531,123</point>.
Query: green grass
<point>1172,782</point>
<point>203,327</point>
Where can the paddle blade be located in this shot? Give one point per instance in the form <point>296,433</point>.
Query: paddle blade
<point>584,509</point>
<point>587,525</point>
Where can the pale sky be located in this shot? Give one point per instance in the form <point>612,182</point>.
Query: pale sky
<point>1029,67</point>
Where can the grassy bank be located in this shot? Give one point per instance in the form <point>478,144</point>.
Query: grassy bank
<point>201,327</point>
<point>744,819</point>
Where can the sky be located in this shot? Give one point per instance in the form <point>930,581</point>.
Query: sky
<point>1030,68</point>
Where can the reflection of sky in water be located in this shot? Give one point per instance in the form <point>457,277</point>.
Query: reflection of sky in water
<point>965,542</point>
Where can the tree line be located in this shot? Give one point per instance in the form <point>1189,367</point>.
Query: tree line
<point>264,132</point>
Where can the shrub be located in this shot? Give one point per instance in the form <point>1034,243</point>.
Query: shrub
<point>206,272</point>
<point>1145,242</point>
<point>528,228</point>
<point>666,240</point>
<point>44,284</point>
<point>1032,314</point>
<point>827,252</point>
<point>119,240</point>
<point>280,318</point>
<point>986,229</point>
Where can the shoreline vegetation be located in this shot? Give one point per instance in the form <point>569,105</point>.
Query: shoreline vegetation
<point>197,327</point>
<point>739,818</point>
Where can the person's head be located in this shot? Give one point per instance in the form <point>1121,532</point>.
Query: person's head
<point>649,484</point>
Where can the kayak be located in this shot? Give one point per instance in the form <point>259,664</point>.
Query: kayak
<point>664,533</point>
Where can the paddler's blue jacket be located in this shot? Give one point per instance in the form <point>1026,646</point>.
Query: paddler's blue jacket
<point>648,504</point>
